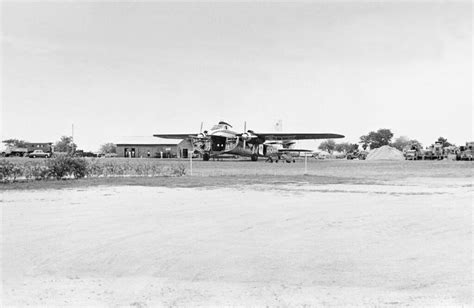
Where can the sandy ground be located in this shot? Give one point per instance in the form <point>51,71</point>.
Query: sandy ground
<point>397,243</point>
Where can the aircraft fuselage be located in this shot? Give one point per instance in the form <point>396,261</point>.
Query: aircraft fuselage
<point>218,144</point>
<point>224,141</point>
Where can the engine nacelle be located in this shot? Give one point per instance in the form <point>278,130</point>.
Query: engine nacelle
<point>248,136</point>
<point>202,135</point>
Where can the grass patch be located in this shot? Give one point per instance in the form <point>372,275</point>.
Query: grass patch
<point>178,182</point>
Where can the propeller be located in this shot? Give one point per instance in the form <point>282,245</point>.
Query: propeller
<point>247,135</point>
<point>202,134</point>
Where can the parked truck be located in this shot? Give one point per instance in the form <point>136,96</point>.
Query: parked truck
<point>16,152</point>
<point>361,155</point>
<point>465,152</point>
<point>414,153</point>
<point>434,152</point>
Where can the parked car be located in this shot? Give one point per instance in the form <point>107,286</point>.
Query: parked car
<point>39,154</point>
<point>81,153</point>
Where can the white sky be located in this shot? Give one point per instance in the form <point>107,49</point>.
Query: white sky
<point>118,69</point>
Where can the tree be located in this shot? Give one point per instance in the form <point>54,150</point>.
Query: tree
<point>444,142</point>
<point>416,143</point>
<point>108,148</point>
<point>65,144</point>
<point>327,145</point>
<point>403,142</point>
<point>377,139</point>
<point>365,141</point>
<point>17,143</point>
<point>346,147</point>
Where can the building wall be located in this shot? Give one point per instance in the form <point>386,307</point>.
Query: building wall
<point>45,147</point>
<point>185,148</point>
<point>147,150</point>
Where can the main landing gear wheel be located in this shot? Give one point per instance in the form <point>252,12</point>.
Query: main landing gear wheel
<point>254,157</point>
<point>205,157</point>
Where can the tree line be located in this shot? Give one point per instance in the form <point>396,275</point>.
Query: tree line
<point>374,140</point>
<point>65,145</point>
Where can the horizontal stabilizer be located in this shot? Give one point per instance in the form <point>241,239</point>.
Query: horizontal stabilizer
<point>297,136</point>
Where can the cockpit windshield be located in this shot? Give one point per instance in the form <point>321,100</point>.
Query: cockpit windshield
<point>221,125</point>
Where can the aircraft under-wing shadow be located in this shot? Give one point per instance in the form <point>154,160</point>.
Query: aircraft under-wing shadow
<point>220,139</point>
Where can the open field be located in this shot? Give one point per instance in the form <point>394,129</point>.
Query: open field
<point>350,233</point>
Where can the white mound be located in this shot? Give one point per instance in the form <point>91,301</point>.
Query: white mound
<point>385,153</point>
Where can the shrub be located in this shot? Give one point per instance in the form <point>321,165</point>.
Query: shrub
<point>41,172</point>
<point>94,168</point>
<point>9,171</point>
<point>63,165</point>
<point>179,170</point>
<point>36,171</point>
<point>58,166</point>
<point>78,167</point>
<point>6,170</point>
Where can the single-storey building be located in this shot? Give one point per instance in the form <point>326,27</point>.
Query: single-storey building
<point>46,147</point>
<point>162,148</point>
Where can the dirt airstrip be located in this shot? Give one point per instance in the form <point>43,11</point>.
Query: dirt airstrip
<point>350,233</point>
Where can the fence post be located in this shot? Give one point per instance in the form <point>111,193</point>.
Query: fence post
<point>191,164</point>
<point>306,164</point>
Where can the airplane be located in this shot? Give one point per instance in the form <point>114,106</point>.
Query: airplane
<point>221,139</point>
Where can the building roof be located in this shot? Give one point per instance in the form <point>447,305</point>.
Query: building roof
<point>147,141</point>
<point>147,145</point>
<point>44,143</point>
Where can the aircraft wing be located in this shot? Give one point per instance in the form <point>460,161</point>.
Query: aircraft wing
<point>175,136</point>
<point>293,150</point>
<point>296,136</point>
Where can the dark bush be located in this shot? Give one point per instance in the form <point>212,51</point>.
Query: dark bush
<point>6,170</point>
<point>63,166</point>
<point>78,167</point>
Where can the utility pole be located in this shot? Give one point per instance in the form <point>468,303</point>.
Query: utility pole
<point>72,138</point>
